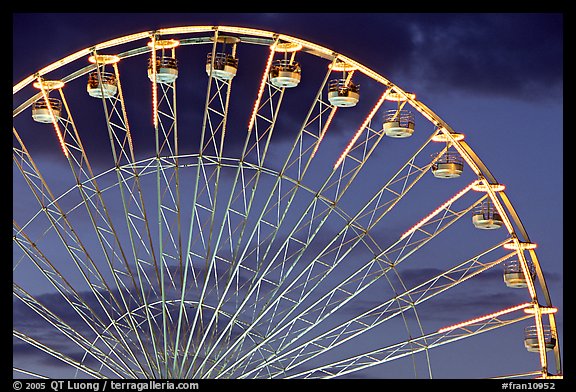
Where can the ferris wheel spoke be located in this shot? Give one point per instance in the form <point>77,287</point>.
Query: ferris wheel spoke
<point>230,209</point>
<point>257,227</point>
<point>343,293</point>
<point>29,373</point>
<point>56,354</point>
<point>144,267</point>
<point>354,223</point>
<point>309,269</point>
<point>402,302</point>
<point>123,153</point>
<point>81,307</point>
<point>298,143</point>
<point>358,149</point>
<point>65,232</point>
<point>212,138</point>
<point>168,199</point>
<point>169,215</point>
<point>416,345</point>
<point>99,207</point>
<point>133,202</point>
<point>245,202</point>
<point>168,184</point>
<point>264,116</point>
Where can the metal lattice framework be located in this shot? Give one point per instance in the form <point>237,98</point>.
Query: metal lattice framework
<point>264,231</point>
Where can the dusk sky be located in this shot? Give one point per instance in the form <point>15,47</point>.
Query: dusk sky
<point>495,77</point>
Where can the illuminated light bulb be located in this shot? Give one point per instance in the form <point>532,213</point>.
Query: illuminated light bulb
<point>40,84</point>
<point>437,210</point>
<point>49,84</point>
<point>164,43</point>
<point>286,47</point>
<point>155,104</point>
<point>360,130</point>
<point>60,138</point>
<point>261,89</point>
<point>486,317</point>
<point>341,66</point>
<point>481,187</point>
<point>104,59</point>
<point>442,137</point>
<point>543,310</point>
<point>395,96</point>
<point>520,245</point>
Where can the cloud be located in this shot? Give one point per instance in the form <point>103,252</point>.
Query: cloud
<point>509,55</point>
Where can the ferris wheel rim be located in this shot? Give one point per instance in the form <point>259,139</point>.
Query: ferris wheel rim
<point>472,159</point>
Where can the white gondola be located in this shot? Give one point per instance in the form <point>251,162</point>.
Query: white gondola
<point>225,66</point>
<point>166,70</point>
<point>285,73</point>
<point>398,123</point>
<point>450,165</point>
<point>41,112</point>
<point>531,339</point>
<point>107,88</point>
<point>343,94</point>
<point>486,217</point>
<point>514,276</point>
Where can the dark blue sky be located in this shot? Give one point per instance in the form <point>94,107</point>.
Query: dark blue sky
<point>496,77</point>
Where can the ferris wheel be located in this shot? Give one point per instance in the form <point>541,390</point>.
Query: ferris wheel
<point>226,202</point>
